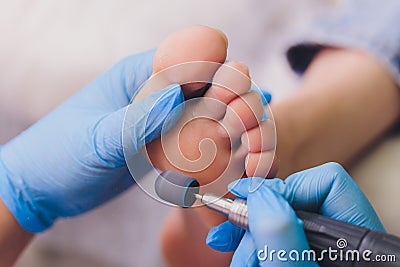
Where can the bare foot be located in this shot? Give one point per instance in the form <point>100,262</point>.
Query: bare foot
<point>220,136</point>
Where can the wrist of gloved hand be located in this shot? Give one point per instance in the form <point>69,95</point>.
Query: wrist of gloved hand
<point>16,197</point>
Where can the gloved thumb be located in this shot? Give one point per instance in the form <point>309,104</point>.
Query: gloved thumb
<point>131,127</point>
<point>242,187</point>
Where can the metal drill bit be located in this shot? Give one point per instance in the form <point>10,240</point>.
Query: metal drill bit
<point>198,196</point>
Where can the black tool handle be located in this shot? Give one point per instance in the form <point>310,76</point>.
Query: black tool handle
<point>355,245</point>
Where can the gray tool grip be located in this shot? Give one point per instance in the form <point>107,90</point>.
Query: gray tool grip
<point>323,232</point>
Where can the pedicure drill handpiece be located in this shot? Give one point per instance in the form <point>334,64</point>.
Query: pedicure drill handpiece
<point>235,210</point>
<point>322,232</point>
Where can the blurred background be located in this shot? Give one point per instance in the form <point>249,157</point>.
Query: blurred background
<point>51,49</point>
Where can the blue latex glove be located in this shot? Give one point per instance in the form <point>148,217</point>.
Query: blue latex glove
<point>327,189</point>
<point>72,160</point>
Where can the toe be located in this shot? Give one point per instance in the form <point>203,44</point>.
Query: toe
<point>261,164</point>
<point>261,138</point>
<point>231,80</point>
<point>243,113</point>
<point>190,57</point>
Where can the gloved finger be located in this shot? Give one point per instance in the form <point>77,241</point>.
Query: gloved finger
<point>116,87</point>
<point>225,237</point>
<point>330,190</point>
<point>271,217</point>
<point>246,253</point>
<point>273,225</point>
<point>242,187</point>
<point>141,122</point>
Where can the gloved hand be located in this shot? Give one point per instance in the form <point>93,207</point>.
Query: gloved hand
<point>327,189</point>
<point>72,160</point>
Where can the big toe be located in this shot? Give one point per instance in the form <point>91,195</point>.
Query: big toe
<point>190,57</point>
